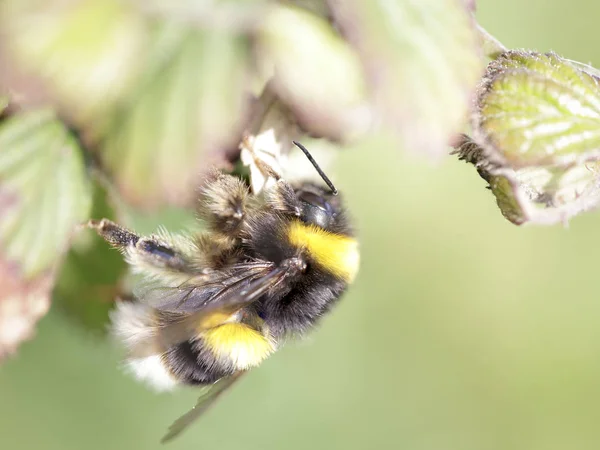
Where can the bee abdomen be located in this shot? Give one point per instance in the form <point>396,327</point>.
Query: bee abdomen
<point>189,364</point>
<point>215,353</point>
<point>238,345</point>
<point>218,352</point>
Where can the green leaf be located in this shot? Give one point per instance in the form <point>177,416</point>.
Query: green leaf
<point>85,52</point>
<point>538,109</point>
<point>233,15</point>
<point>187,112</point>
<point>44,194</point>
<point>546,196</point>
<point>507,199</point>
<point>538,195</point>
<point>315,72</point>
<point>45,190</point>
<point>422,62</point>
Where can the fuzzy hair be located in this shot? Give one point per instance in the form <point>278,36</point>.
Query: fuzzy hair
<point>133,324</point>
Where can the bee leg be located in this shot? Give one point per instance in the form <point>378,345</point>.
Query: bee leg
<point>283,198</point>
<point>114,234</point>
<point>223,202</point>
<point>159,256</point>
<point>215,249</point>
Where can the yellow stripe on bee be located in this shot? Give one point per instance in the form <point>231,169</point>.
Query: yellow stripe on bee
<point>243,346</point>
<point>336,253</point>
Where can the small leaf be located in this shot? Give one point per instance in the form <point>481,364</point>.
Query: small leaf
<point>44,194</point>
<point>545,196</point>
<point>44,188</point>
<point>188,111</point>
<point>86,52</point>
<point>507,199</point>
<point>422,63</point>
<point>538,109</point>
<point>316,73</point>
<point>538,195</point>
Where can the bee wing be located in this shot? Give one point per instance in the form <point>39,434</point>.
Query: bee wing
<point>227,301</point>
<point>205,401</point>
<point>198,290</point>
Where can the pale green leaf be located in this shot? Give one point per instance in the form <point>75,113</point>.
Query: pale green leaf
<point>507,199</point>
<point>316,73</point>
<point>188,110</point>
<point>546,196</point>
<point>44,194</point>
<point>538,109</point>
<point>86,52</point>
<point>233,15</point>
<point>422,63</point>
<point>44,190</point>
<point>537,194</point>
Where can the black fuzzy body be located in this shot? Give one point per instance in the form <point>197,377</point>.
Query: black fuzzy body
<point>297,307</point>
<point>277,256</point>
<point>290,310</point>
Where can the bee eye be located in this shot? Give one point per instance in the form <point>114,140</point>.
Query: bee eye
<point>315,209</point>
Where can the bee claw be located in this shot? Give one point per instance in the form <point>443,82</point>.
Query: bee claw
<point>92,223</point>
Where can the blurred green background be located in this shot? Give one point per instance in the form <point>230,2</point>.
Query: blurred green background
<point>461,332</point>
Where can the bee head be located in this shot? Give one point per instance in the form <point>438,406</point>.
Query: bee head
<point>315,208</point>
<point>318,206</point>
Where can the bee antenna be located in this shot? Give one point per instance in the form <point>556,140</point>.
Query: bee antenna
<point>316,166</point>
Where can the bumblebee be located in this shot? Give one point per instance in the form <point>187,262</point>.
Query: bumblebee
<point>216,304</point>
